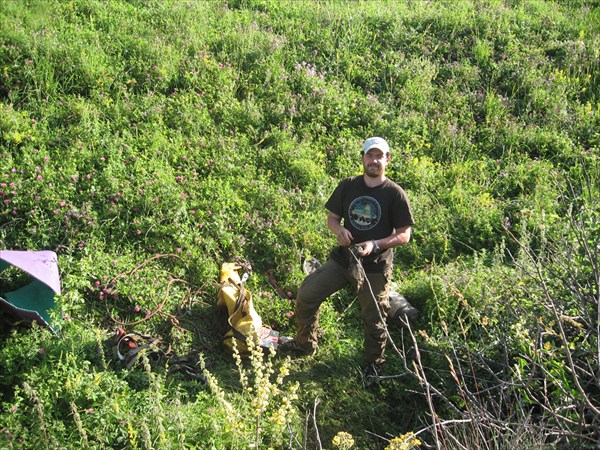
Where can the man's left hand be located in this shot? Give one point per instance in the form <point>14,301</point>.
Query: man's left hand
<point>367,248</point>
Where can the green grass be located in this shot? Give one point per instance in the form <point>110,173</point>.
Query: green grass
<point>147,142</point>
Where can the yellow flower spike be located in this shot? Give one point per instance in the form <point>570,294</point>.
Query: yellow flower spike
<point>132,434</point>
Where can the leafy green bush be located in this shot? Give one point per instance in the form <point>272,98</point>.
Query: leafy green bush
<point>147,142</point>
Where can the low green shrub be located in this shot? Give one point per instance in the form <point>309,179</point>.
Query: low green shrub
<point>148,142</point>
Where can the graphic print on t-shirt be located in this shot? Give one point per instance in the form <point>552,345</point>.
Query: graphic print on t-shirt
<point>364,213</point>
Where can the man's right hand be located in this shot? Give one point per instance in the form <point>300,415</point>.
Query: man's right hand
<point>344,237</point>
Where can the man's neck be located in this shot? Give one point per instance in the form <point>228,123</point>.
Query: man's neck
<point>374,181</point>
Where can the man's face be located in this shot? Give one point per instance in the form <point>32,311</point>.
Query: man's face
<point>374,162</point>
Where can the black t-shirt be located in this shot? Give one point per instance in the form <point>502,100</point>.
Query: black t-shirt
<point>369,213</point>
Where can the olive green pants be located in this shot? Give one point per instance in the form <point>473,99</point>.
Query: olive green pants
<point>330,278</point>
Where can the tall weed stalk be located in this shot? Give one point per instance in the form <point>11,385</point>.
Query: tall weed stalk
<point>264,412</point>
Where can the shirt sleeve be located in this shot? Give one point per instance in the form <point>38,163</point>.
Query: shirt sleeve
<point>402,216</point>
<point>335,202</point>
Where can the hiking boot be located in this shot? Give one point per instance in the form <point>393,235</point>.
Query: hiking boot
<point>372,373</point>
<point>290,346</point>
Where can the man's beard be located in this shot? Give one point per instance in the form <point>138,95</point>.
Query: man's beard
<point>373,171</point>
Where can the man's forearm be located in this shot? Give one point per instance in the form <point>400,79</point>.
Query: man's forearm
<point>399,237</point>
<point>334,225</point>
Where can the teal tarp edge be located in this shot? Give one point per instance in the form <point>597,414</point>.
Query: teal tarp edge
<point>34,297</point>
<point>22,300</point>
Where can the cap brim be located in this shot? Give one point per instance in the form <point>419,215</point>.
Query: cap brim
<point>377,147</point>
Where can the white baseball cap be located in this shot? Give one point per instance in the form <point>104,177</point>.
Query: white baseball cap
<point>376,142</point>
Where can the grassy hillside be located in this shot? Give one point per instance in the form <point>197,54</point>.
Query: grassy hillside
<point>147,142</point>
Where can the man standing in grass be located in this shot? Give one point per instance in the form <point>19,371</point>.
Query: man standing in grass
<point>369,216</point>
